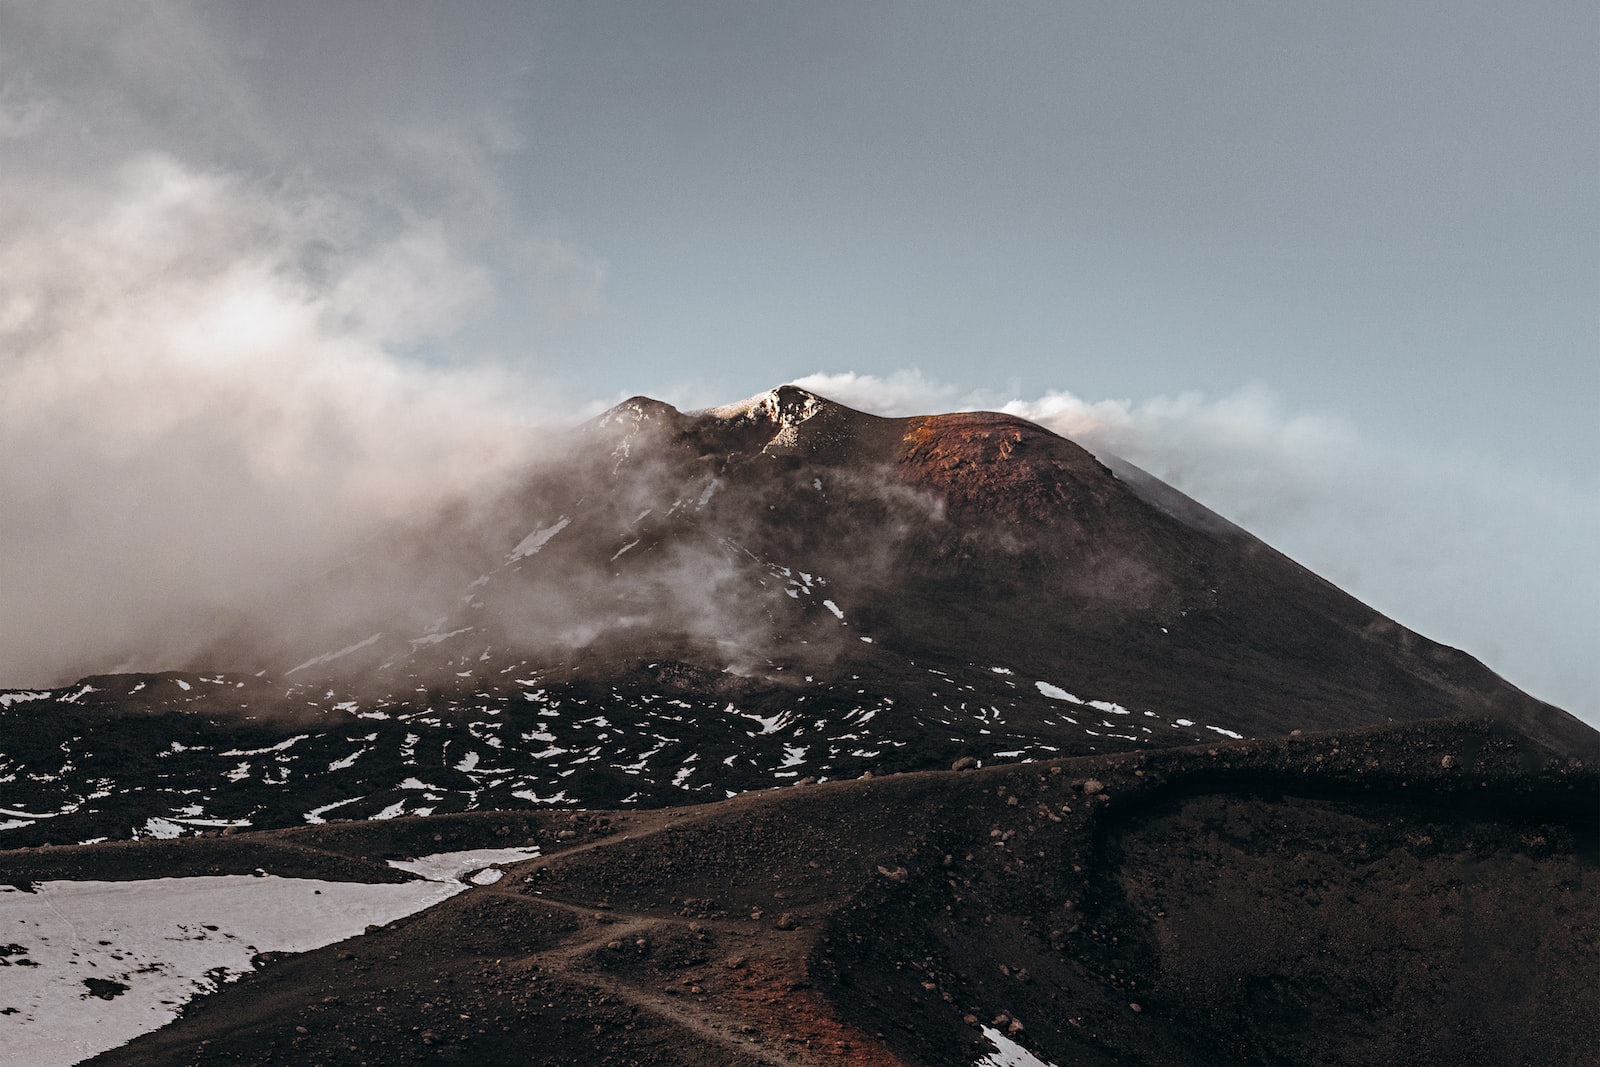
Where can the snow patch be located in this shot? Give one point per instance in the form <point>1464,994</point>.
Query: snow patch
<point>456,866</point>
<point>157,944</point>
<point>165,829</point>
<point>329,657</point>
<point>434,639</point>
<point>315,815</point>
<point>1008,1053</point>
<point>531,544</point>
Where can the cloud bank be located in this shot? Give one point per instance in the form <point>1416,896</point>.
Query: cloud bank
<point>215,371</point>
<point>1498,560</point>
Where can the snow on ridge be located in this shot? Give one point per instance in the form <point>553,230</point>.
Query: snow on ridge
<point>435,638</point>
<point>164,829</point>
<point>281,746</point>
<point>15,814</point>
<point>787,416</point>
<point>315,815</point>
<point>536,540</point>
<point>19,696</point>
<point>329,657</point>
<point>456,866</point>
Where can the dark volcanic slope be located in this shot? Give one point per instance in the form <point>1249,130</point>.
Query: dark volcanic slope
<point>955,541</point>
<point>1413,894</point>
<point>686,606</point>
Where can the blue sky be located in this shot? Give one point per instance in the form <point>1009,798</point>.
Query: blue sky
<point>1331,269</point>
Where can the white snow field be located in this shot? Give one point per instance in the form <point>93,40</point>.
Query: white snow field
<point>87,966</point>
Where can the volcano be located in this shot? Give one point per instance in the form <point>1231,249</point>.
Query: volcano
<point>947,698</point>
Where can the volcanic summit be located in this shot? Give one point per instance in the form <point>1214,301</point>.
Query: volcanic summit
<point>715,668</point>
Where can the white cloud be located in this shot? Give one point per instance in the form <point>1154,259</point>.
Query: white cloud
<point>904,392</point>
<point>203,385</point>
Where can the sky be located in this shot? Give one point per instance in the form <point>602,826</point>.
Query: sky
<point>271,274</point>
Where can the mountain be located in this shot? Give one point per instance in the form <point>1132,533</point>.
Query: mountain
<point>781,733</point>
<point>676,607</point>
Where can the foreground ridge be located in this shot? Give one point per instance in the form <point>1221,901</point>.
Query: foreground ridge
<point>1169,906</point>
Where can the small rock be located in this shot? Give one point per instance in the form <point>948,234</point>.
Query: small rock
<point>1447,762</point>
<point>786,921</point>
<point>965,763</point>
<point>1134,1008</point>
<point>1093,786</point>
